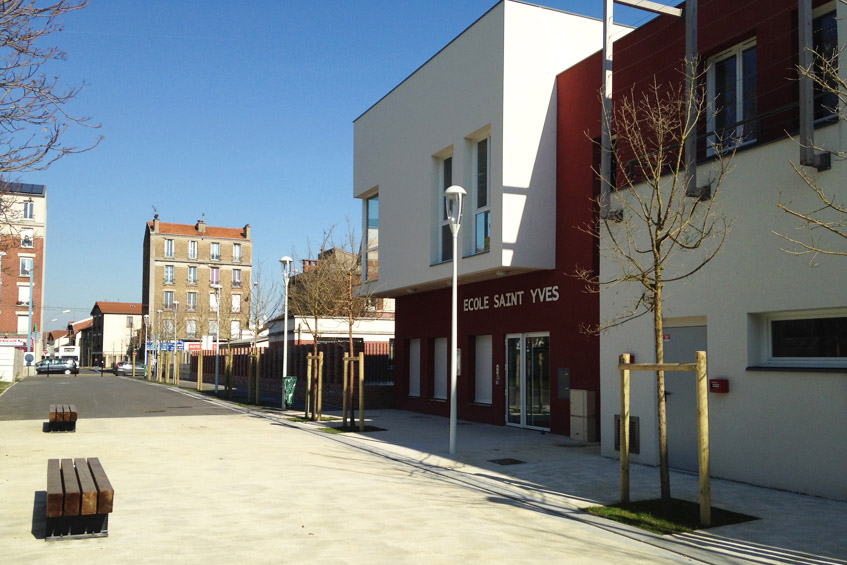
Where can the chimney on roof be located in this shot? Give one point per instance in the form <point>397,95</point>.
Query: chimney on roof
<point>201,224</point>
<point>155,223</point>
<point>247,231</point>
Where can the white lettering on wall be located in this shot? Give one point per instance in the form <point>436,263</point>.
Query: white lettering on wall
<point>509,299</point>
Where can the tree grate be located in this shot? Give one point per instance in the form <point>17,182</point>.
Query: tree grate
<point>506,461</point>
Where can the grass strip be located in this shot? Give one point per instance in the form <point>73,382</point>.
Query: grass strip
<point>647,515</point>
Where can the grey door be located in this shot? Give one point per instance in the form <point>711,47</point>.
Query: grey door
<point>681,345</point>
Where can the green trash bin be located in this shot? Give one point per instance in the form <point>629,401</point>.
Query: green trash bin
<point>288,384</point>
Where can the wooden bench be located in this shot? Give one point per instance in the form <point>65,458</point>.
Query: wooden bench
<point>62,418</point>
<point>79,499</point>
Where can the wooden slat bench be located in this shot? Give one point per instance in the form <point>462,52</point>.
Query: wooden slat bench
<point>62,418</point>
<point>79,499</point>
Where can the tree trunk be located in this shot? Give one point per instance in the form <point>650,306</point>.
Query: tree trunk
<point>664,470</point>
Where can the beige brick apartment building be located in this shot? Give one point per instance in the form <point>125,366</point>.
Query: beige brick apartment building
<point>182,262</point>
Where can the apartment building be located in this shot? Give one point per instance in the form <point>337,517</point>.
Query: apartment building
<point>23,247</point>
<point>115,329</point>
<point>196,277</point>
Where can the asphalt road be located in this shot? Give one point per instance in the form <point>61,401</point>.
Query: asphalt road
<point>97,396</point>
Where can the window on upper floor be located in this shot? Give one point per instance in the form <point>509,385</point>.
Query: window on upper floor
<point>23,325</point>
<point>215,253</point>
<point>445,236</point>
<point>169,248</point>
<point>168,301</point>
<point>26,266</point>
<point>213,302</point>
<point>169,274</point>
<point>192,250</point>
<point>372,238</point>
<point>192,275</point>
<point>213,328</point>
<point>29,209</point>
<point>236,277</point>
<point>235,329</point>
<point>27,238</point>
<point>167,329</point>
<point>236,252</point>
<point>825,46</point>
<point>191,300</point>
<point>482,196</point>
<point>732,78</point>
<point>191,328</point>
<point>23,295</point>
<point>214,275</point>
<point>236,303</point>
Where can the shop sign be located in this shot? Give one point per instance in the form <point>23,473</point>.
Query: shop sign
<point>509,299</point>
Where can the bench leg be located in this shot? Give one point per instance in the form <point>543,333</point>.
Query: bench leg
<point>77,527</point>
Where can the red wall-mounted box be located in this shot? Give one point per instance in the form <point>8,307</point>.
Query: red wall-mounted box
<point>719,385</point>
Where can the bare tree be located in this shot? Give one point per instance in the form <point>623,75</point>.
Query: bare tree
<point>824,221</point>
<point>33,108</point>
<point>312,296</point>
<point>660,235</point>
<point>261,305</point>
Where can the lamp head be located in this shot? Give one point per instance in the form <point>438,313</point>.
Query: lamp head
<point>285,264</point>
<point>454,198</point>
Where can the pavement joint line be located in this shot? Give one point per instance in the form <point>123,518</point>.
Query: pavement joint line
<point>689,547</point>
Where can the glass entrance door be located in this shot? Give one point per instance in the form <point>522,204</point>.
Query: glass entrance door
<point>528,380</point>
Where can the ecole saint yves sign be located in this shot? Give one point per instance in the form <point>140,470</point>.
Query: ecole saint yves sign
<point>509,299</point>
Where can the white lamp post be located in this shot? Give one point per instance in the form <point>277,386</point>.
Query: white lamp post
<point>453,199</point>
<point>159,347</point>
<point>285,264</point>
<point>146,350</point>
<point>217,288</point>
<point>176,307</point>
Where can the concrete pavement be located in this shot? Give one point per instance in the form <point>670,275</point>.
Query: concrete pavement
<point>228,483</point>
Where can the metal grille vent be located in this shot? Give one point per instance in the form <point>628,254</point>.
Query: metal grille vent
<point>634,434</point>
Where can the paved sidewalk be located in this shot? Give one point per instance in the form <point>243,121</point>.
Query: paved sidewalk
<point>230,483</point>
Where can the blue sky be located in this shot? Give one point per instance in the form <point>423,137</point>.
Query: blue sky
<point>242,111</point>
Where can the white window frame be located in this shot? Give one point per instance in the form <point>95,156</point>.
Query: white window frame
<point>236,278</point>
<point>23,325</point>
<point>192,274</point>
<point>169,274</point>
<point>191,301</point>
<point>236,252</point>
<point>212,278</point>
<point>766,357</point>
<point>27,238</point>
<point>169,248</point>
<point>192,249</point>
<point>24,295</point>
<point>213,328</point>
<point>215,251</point>
<point>235,329</point>
<point>213,302</point>
<point>29,210</point>
<point>483,211</point>
<point>191,328</point>
<point>168,300</point>
<point>235,300</point>
<point>443,222</point>
<point>371,239</point>
<point>736,51</point>
<point>26,265</point>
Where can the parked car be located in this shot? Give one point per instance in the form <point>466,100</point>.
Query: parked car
<point>57,366</point>
<point>125,368</point>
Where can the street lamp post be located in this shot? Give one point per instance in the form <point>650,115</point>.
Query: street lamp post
<point>159,348</point>
<point>146,351</point>
<point>454,197</point>
<point>217,288</point>
<point>285,263</point>
<point>29,333</point>
<point>176,307</point>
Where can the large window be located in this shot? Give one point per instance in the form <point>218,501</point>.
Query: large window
<point>192,275</point>
<point>816,338</point>
<point>213,302</point>
<point>236,303</point>
<point>414,367</point>
<point>214,275</point>
<point>192,250</point>
<point>235,329</point>
<point>445,235</point>
<point>215,253</point>
<point>27,237</point>
<point>482,218</point>
<point>213,328</point>
<point>169,300</point>
<point>732,78</point>
<point>191,300</point>
<point>23,295</point>
<point>825,45</point>
<point>169,248</point>
<point>191,328</point>
<point>236,277</point>
<point>236,252</point>
<point>372,238</point>
<point>26,266</point>
<point>483,381</point>
<point>440,369</point>
<point>29,209</point>
<point>169,274</point>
